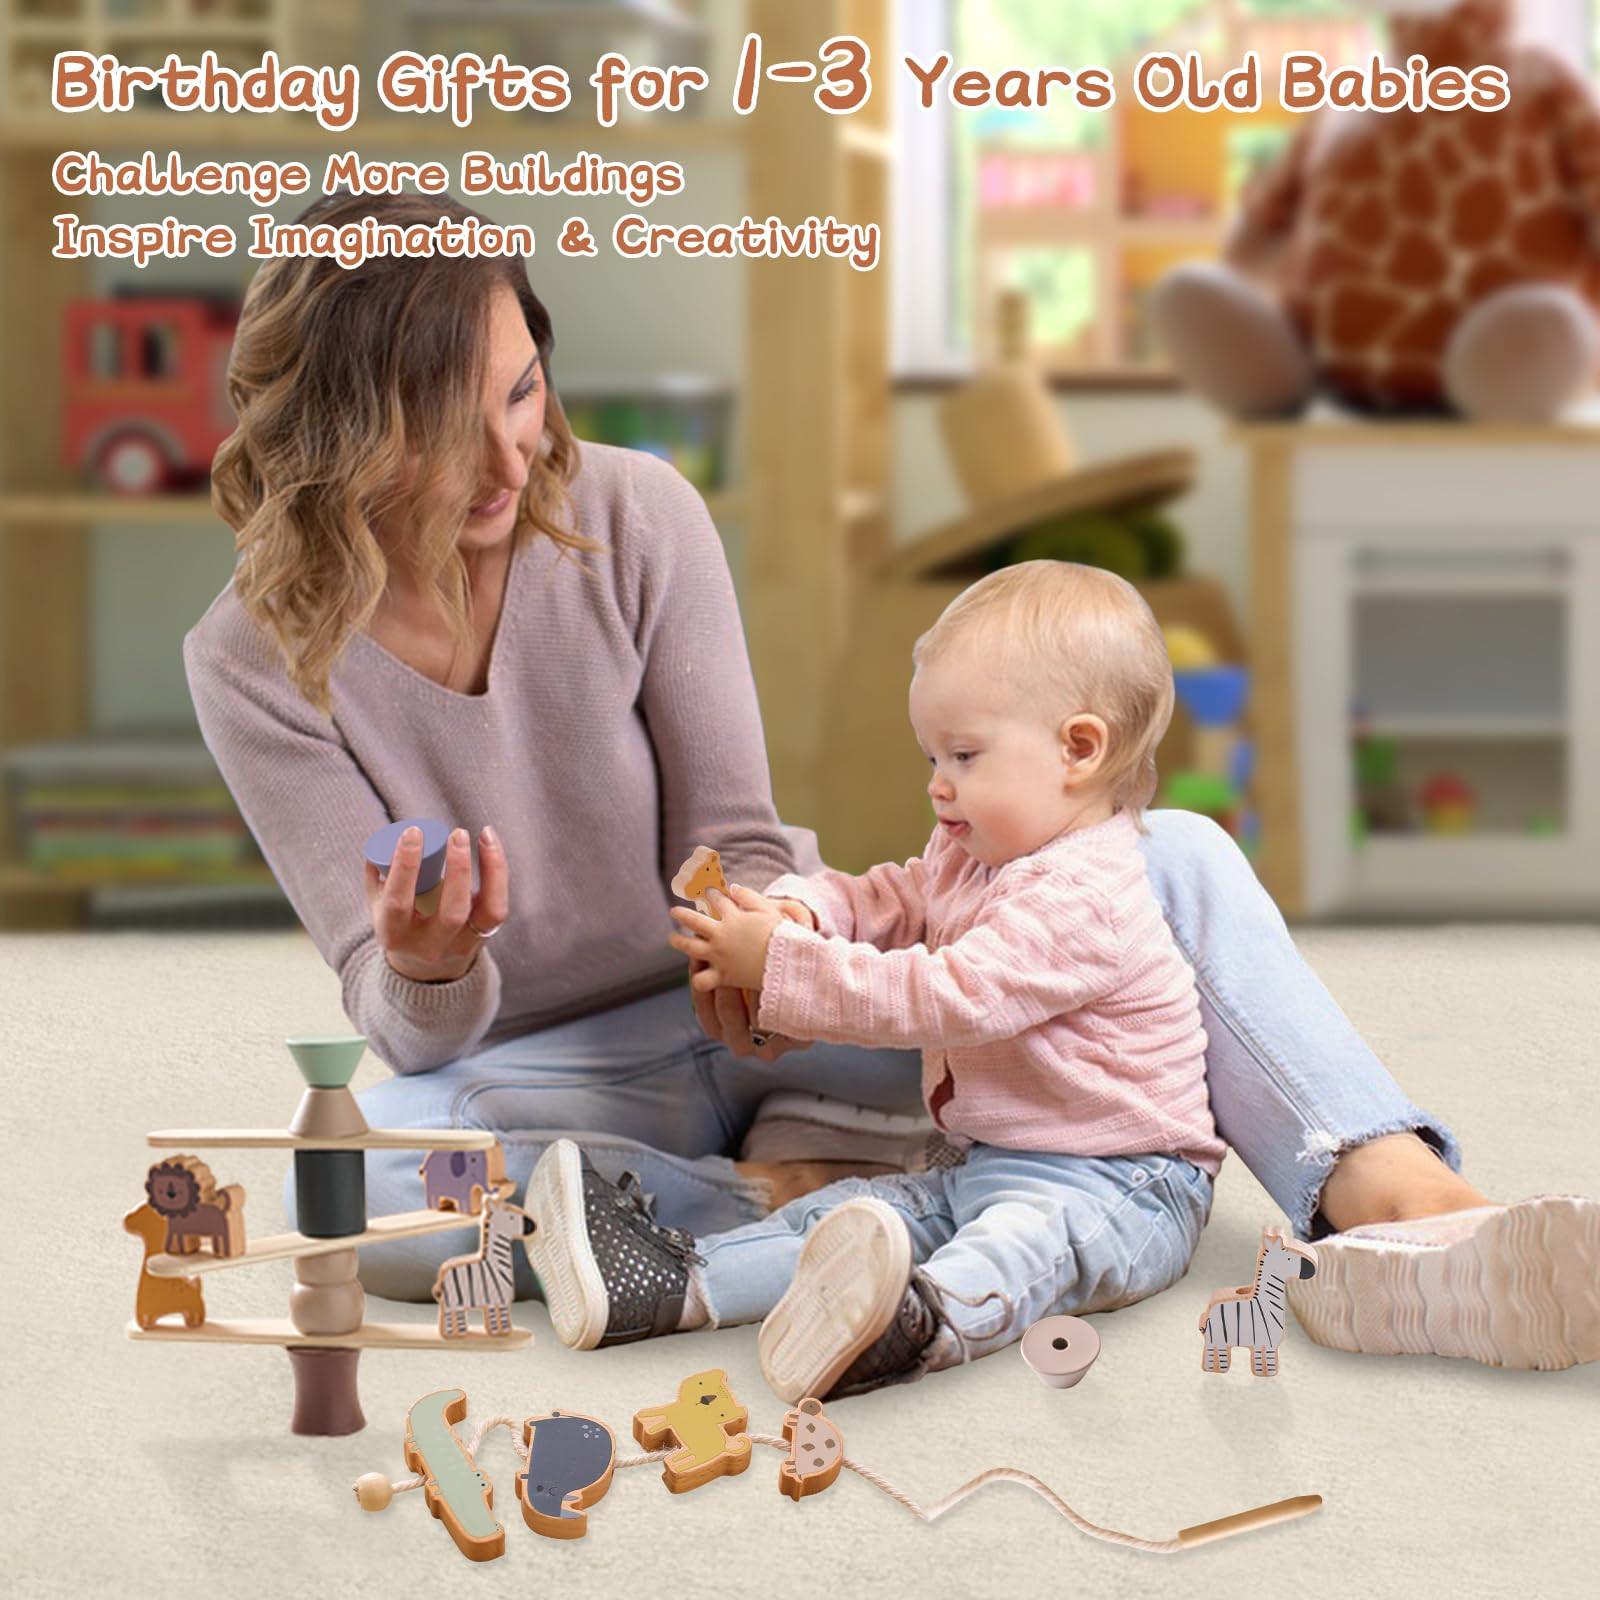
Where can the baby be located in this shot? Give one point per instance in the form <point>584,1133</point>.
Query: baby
<point>1025,954</point>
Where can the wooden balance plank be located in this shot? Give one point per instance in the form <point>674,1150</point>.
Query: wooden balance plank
<point>292,1246</point>
<point>369,1336</point>
<point>280,1139</point>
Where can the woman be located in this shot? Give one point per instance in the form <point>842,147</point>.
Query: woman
<point>443,608</point>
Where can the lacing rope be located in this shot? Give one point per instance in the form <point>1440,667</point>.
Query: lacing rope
<point>1158,1547</point>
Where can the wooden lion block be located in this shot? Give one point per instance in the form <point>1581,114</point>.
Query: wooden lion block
<point>706,1424</point>
<point>198,1214</point>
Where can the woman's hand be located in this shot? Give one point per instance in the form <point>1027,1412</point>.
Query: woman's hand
<point>444,946</point>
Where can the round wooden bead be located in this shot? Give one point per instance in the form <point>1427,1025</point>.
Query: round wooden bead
<point>373,1491</point>
<point>1060,1349</point>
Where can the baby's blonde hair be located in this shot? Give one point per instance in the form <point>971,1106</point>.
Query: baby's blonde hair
<point>1077,639</point>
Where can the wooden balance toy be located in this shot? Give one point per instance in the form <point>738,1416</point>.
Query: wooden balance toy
<point>325,1331</point>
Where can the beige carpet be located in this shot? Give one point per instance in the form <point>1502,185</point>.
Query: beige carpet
<point>141,1471</point>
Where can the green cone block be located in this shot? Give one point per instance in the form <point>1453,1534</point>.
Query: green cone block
<point>330,1062</point>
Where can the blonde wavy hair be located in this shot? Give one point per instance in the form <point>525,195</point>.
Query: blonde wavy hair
<point>358,395</point>
<point>1070,638</point>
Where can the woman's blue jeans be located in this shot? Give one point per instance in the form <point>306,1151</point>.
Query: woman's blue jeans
<point>640,1087</point>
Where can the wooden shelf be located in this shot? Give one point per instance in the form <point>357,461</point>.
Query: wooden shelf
<point>1466,725</point>
<point>68,32</point>
<point>369,1336</point>
<point>296,1246</point>
<point>1328,427</point>
<point>664,20</point>
<point>18,879</point>
<point>83,505</point>
<point>281,1139</point>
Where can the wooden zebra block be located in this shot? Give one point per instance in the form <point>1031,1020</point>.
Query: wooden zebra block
<point>705,1428</point>
<point>485,1281</point>
<point>1253,1316</point>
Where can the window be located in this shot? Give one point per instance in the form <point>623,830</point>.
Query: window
<point>1085,210</point>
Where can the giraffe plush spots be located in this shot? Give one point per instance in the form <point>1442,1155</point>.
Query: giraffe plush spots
<point>1253,1316</point>
<point>1414,260</point>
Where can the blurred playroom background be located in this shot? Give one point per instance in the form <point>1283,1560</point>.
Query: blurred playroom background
<point>1387,632</point>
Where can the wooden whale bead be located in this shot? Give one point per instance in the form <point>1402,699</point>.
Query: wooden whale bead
<point>570,1463</point>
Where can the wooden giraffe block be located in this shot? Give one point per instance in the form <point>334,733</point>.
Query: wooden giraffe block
<point>458,1494</point>
<point>694,880</point>
<point>704,1425</point>
<point>816,1451</point>
<point>162,1296</point>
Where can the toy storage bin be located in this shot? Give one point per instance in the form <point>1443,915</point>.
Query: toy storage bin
<point>1430,596</point>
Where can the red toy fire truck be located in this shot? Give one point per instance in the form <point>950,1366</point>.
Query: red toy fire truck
<point>144,403</point>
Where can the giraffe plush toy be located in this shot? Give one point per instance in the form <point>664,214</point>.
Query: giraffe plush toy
<point>1414,261</point>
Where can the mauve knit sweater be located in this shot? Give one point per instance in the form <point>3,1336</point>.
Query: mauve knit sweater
<point>618,730</point>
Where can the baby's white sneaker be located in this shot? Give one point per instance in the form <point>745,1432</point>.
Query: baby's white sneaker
<point>852,1319</point>
<point>1510,1286</point>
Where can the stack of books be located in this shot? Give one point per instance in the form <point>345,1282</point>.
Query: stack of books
<point>127,810</point>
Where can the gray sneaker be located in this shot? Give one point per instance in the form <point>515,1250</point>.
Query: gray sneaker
<point>610,1273</point>
<point>851,1319</point>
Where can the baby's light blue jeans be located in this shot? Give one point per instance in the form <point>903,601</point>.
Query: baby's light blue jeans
<point>640,1087</point>
<point>1011,1236</point>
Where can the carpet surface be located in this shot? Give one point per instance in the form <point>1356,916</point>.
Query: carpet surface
<point>142,1471</point>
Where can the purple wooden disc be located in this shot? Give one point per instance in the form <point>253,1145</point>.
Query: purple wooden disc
<point>380,848</point>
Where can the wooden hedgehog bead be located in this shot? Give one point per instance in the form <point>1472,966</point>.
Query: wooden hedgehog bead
<point>816,1450</point>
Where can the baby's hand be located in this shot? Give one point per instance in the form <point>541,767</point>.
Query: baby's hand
<point>734,948</point>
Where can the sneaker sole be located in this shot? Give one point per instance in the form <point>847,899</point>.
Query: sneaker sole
<point>1522,1290</point>
<point>558,1250</point>
<point>848,1285</point>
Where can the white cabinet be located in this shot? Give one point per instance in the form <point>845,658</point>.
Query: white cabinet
<point>1438,613</point>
